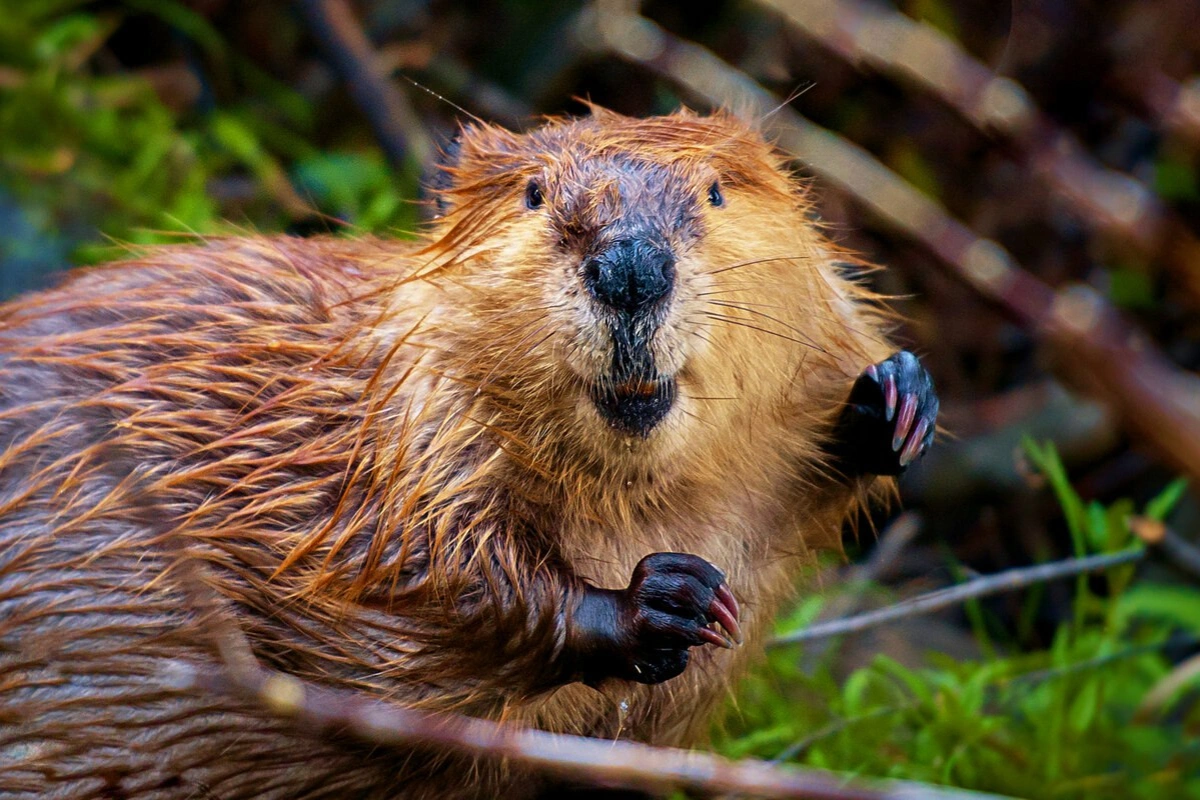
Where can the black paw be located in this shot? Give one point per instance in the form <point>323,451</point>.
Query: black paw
<point>671,603</point>
<point>889,419</point>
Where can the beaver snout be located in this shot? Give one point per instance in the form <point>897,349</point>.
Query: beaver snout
<point>630,275</point>
<point>635,406</point>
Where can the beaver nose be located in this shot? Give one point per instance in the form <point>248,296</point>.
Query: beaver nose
<point>630,275</point>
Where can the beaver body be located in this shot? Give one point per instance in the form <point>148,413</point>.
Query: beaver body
<point>509,470</point>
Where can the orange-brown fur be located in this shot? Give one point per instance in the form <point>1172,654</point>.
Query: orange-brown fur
<point>383,457</point>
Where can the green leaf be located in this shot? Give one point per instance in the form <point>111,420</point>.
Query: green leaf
<point>854,693</point>
<point>1046,459</point>
<point>1177,604</point>
<point>65,35</point>
<point>909,680</point>
<point>1085,706</point>
<point>1097,526</point>
<point>1163,504</point>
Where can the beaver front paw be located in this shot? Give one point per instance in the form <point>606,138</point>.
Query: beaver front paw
<point>889,419</point>
<point>643,633</point>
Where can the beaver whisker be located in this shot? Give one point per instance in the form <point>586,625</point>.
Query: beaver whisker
<point>758,313</point>
<point>752,262</point>
<point>742,323</point>
<point>749,309</point>
<point>741,305</point>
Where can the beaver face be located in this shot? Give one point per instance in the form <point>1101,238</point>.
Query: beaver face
<point>628,231</point>
<point>621,226</point>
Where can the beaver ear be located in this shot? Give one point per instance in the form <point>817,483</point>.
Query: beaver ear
<point>442,177</point>
<point>481,151</point>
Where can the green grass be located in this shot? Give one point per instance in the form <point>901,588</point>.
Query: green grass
<point>1070,721</point>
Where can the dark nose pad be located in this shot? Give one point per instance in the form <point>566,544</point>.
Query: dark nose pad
<point>630,275</point>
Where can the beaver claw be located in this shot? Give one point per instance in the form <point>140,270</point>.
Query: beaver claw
<point>672,603</point>
<point>889,420</point>
<point>643,633</point>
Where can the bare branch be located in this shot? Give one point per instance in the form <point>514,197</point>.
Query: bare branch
<point>392,118</point>
<point>1176,104</point>
<point>870,35</point>
<point>1007,581</point>
<point>613,764</point>
<point>1183,553</point>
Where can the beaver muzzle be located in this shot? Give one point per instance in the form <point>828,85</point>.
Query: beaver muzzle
<point>635,405</point>
<point>631,278</point>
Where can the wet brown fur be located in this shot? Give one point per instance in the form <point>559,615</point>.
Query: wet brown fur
<point>383,456</point>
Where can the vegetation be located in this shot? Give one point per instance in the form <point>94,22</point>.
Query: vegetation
<point>96,158</point>
<point>1103,711</point>
<point>136,121</point>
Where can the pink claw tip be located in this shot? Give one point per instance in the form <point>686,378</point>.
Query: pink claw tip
<point>908,410</point>
<point>723,612</point>
<point>714,637</point>
<point>916,444</point>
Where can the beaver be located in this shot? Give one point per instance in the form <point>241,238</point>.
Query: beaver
<point>549,463</point>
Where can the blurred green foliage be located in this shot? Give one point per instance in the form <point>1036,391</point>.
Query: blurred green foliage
<point>92,157</point>
<point>1070,721</point>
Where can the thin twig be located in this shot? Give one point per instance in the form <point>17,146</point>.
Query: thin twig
<point>392,118</point>
<point>836,726</point>
<point>1176,105</point>
<point>618,764</point>
<point>1183,553</point>
<point>1099,662</point>
<point>892,542</point>
<point>1007,581</point>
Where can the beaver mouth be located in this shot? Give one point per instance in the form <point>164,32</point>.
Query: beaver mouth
<point>636,405</point>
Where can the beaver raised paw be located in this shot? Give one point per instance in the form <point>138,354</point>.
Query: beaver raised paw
<point>889,420</point>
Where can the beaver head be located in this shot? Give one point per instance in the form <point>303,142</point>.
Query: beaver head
<point>637,281</point>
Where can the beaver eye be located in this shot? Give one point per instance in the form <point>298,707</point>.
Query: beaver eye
<point>533,195</point>
<point>715,198</point>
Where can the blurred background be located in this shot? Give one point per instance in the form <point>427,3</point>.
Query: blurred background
<point>1027,171</point>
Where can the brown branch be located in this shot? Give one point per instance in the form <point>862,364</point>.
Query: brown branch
<point>1183,553</point>
<point>1176,105</point>
<point>868,35</point>
<point>392,118</point>
<point>617,764</point>
<point>1007,581</point>
<point>1097,350</point>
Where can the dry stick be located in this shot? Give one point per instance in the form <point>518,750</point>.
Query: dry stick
<point>1098,351</point>
<point>396,125</point>
<point>1176,104</point>
<point>892,542</point>
<point>867,34</point>
<point>1183,553</point>
<point>618,764</point>
<point>1007,581</point>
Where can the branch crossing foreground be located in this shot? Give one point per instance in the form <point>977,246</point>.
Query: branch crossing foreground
<point>614,764</point>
